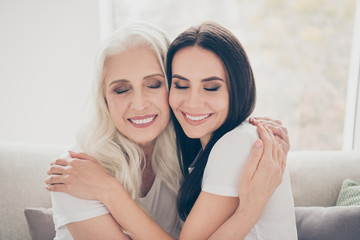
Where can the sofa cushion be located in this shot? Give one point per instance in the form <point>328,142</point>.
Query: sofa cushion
<point>349,194</point>
<point>328,223</point>
<point>40,223</point>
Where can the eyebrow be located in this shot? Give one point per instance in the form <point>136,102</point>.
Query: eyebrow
<point>144,78</point>
<point>153,75</point>
<point>208,79</point>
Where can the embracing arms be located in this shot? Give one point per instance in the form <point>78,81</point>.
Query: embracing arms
<point>85,178</point>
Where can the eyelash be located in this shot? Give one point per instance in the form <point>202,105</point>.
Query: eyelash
<point>155,86</point>
<point>120,92</point>
<point>207,89</point>
<point>116,91</point>
<point>180,87</point>
<point>212,89</point>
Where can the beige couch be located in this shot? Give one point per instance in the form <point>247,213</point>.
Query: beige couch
<point>316,180</point>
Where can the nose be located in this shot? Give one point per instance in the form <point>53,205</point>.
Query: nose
<point>193,99</point>
<point>139,101</point>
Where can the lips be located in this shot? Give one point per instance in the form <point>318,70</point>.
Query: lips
<point>142,121</point>
<point>196,119</point>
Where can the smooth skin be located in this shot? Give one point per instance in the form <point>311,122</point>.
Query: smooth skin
<point>84,177</point>
<point>199,98</point>
<point>266,164</point>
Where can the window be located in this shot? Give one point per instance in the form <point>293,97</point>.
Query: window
<point>300,52</point>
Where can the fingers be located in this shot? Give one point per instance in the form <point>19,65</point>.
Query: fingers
<point>273,151</point>
<point>81,155</point>
<point>277,148</point>
<point>266,139</point>
<point>61,162</point>
<point>276,125</point>
<point>282,157</point>
<point>274,142</point>
<point>254,159</point>
<point>282,136</point>
<point>56,169</point>
<point>265,119</point>
<point>285,145</point>
<point>56,188</point>
<point>56,179</point>
<point>277,128</point>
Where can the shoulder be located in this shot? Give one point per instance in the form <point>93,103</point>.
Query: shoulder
<point>226,160</point>
<point>245,129</point>
<point>242,136</point>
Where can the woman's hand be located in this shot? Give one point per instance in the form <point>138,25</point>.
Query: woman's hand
<point>81,176</point>
<point>262,173</point>
<point>280,132</point>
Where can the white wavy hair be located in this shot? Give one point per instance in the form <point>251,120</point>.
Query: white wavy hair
<point>100,139</point>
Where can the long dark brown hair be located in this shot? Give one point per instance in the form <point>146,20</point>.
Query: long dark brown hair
<point>242,95</point>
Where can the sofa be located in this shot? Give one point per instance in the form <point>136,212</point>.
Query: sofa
<point>316,177</point>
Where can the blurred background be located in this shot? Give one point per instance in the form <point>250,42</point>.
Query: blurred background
<point>304,54</point>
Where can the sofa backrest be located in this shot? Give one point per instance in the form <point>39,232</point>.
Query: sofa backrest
<point>317,176</point>
<point>22,174</point>
<point>316,179</point>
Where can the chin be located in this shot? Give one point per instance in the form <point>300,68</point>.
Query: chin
<point>192,135</point>
<point>143,141</point>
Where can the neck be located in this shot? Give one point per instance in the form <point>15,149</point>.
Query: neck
<point>148,174</point>
<point>148,150</point>
<point>204,141</point>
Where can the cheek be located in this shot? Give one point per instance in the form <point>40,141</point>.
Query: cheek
<point>222,103</point>
<point>174,100</point>
<point>162,101</point>
<point>116,108</point>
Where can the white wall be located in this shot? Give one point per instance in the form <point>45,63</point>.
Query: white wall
<point>47,52</point>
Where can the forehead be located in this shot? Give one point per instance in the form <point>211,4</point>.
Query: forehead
<point>198,63</point>
<point>132,64</point>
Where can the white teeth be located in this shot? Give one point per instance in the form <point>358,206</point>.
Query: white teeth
<point>142,121</point>
<point>198,118</point>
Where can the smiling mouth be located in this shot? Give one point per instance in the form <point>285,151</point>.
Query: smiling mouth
<point>146,120</point>
<point>197,118</point>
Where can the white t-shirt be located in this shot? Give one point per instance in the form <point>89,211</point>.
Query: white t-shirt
<point>222,174</point>
<point>160,203</point>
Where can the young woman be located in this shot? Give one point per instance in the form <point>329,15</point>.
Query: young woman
<point>135,159</point>
<point>212,93</point>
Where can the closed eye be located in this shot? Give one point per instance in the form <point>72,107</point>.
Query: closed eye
<point>212,89</point>
<point>155,86</point>
<point>179,86</point>
<point>120,90</point>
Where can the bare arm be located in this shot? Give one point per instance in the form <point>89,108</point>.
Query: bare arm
<point>139,225</point>
<point>85,178</point>
<point>102,227</point>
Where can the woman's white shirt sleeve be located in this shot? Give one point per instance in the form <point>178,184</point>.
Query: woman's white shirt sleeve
<point>68,209</point>
<point>222,175</point>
